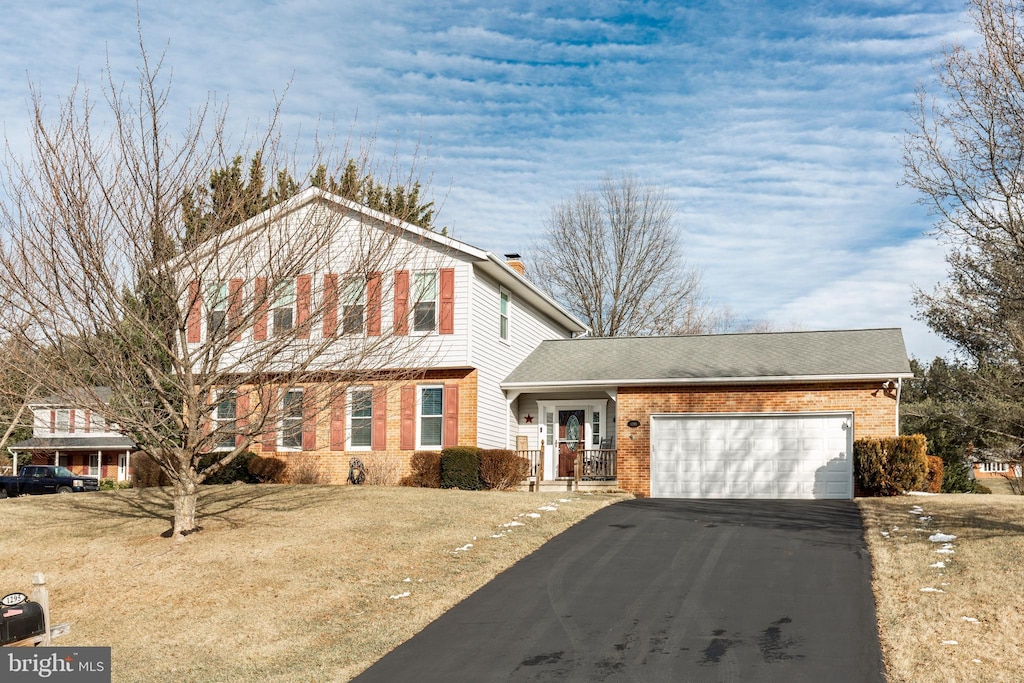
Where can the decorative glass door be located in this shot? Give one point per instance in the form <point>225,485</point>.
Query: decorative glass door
<point>570,439</point>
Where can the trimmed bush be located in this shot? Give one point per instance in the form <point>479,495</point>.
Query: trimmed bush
<point>933,482</point>
<point>267,470</point>
<point>502,469</point>
<point>146,473</point>
<point>236,470</point>
<point>426,470</point>
<point>460,468</point>
<point>307,471</point>
<point>892,465</point>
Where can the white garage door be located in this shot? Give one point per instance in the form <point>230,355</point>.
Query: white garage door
<point>807,455</point>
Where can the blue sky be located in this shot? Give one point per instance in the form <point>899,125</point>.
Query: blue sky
<point>774,126</point>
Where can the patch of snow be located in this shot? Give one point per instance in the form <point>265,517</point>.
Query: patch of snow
<point>407,580</point>
<point>920,529</point>
<point>400,595</point>
<point>548,508</point>
<point>950,642</point>
<point>976,661</point>
<point>565,500</point>
<point>895,528</point>
<point>501,535</point>
<point>463,548</point>
<point>929,589</point>
<point>533,515</point>
<point>945,551</point>
<point>926,518</point>
<point>941,538</point>
<point>508,524</point>
<point>971,620</point>
<point>938,565</point>
<point>886,534</point>
<point>918,493</point>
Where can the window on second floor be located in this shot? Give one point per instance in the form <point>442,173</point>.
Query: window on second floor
<point>63,421</point>
<point>217,308</point>
<point>291,419</point>
<point>504,313</point>
<point>284,307</point>
<point>424,317</point>
<point>353,307</point>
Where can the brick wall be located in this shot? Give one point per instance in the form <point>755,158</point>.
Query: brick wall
<point>874,413</point>
<point>394,462</point>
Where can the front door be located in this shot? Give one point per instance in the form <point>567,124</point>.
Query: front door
<point>570,439</point>
<point>122,467</point>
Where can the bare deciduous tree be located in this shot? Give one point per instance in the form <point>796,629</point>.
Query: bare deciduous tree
<point>106,286</point>
<point>613,258</point>
<point>965,154</point>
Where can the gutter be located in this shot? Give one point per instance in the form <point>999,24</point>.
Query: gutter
<point>785,379</point>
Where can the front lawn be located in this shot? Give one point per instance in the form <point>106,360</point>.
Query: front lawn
<point>284,583</point>
<point>948,609</point>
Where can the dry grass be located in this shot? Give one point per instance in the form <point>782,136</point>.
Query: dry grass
<point>983,579</point>
<point>284,583</point>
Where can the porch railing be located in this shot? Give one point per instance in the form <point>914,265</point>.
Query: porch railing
<point>597,464</point>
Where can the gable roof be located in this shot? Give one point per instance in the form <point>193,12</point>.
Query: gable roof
<point>720,358</point>
<point>486,261</point>
<point>74,397</point>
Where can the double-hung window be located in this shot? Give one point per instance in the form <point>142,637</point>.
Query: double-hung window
<point>995,467</point>
<point>291,419</point>
<point>424,317</point>
<point>504,313</point>
<point>63,421</point>
<point>431,418</point>
<point>353,307</point>
<point>361,418</point>
<point>225,420</point>
<point>217,309</point>
<point>284,307</point>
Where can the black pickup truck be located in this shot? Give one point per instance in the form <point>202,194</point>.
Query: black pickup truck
<point>36,479</point>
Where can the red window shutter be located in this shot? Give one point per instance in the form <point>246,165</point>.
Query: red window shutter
<point>446,322</point>
<point>373,297</point>
<point>303,288</point>
<point>379,438</point>
<point>235,307</point>
<point>53,421</point>
<point>338,421</point>
<point>268,398</point>
<point>451,415</point>
<point>402,302</point>
<point>195,313</point>
<point>330,304</point>
<point>71,422</point>
<point>408,435</point>
<point>88,420</point>
<point>207,425</point>
<point>309,415</point>
<point>241,417</point>
<point>262,306</point>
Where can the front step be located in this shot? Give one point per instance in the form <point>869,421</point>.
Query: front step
<point>556,485</point>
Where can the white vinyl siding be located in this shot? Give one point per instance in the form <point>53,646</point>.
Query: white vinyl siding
<point>495,358</point>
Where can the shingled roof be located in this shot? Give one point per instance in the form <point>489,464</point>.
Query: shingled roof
<point>755,357</point>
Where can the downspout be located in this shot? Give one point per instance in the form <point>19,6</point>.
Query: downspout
<point>899,392</point>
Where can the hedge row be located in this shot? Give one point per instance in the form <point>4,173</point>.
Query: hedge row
<point>467,468</point>
<point>892,465</point>
<point>247,467</point>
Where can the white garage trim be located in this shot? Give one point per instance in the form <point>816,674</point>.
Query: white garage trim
<point>752,455</point>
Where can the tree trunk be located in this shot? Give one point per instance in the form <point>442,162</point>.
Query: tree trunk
<point>186,494</point>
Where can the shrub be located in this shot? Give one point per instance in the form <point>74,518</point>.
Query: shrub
<point>933,481</point>
<point>956,477</point>
<point>892,465</point>
<point>981,488</point>
<point>236,470</point>
<point>146,472</point>
<point>426,470</point>
<point>113,485</point>
<point>460,468</point>
<point>308,472</point>
<point>502,469</point>
<point>383,470</point>
<point>267,470</point>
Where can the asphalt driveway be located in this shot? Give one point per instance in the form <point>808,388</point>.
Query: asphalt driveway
<point>668,590</point>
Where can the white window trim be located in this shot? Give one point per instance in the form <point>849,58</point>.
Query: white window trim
<point>507,339</point>
<point>281,418</point>
<point>294,306</point>
<point>349,403</point>
<point>413,301</point>
<point>419,417</point>
<point>96,471</point>
<point>217,419</point>
<point>66,412</point>
<point>588,406</point>
<point>995,467</point>
<point>345,300</point>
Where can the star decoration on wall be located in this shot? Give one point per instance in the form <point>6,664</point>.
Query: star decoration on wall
<point>529,419</point>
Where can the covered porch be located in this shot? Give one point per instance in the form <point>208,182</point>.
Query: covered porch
<point>102,457</point>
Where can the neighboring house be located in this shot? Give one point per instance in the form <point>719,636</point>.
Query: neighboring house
<point>767,415</point>
<point>64,433</point>
<point>995,469</point>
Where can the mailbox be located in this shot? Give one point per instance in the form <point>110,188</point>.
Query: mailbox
<point>21,621</point>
